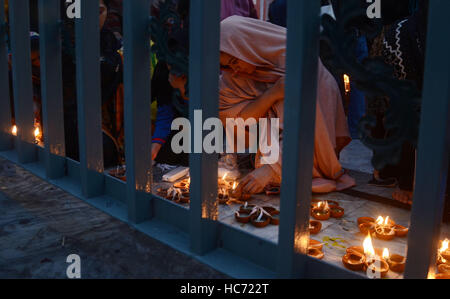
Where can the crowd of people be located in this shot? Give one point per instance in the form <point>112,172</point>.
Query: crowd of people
<point>253,67</point>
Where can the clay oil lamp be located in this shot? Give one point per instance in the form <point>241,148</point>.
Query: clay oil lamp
<point>444,269</point>
<point>374,263</point>
<point>37,133</point>
<point>315,227</point>
<point>360,249</point>
<point>396,262</point>
<point>322,211</point>
<point>238,194</point>
<point>315,202</point>
<point>315,244</point>
<point>246,208</point>
<point>261,218</point>
<point>184,184</point>
<point>274,215</point>
<point>14,130</point>
<point>354,260</point>
<point>174,194</point>
<point>400,231</point>
<point>243,216</point>
<point>444,253</point>
<point>336,211</point>
<point>362,220</point>
<point>315,253</point>
<point>272,190</point>
<point>367,227</point>
<point>384,229</point>
<point>119,172</point>
<point>223,196</point>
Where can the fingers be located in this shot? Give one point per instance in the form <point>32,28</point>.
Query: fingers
<point>252,186</point>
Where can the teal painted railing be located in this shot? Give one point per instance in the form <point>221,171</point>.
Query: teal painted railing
<point>196,231</point>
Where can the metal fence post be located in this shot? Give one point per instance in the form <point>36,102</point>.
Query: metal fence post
<point>137,108</point>
<point>203,95</point>
<point>5,111</point>
<point>300,112</point>
<point>51,86</point>
<point>22,82</point>
<point>87,39</point>
<point>433,148</point>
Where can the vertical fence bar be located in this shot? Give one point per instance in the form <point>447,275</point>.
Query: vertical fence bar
<point>22,82</point>
<point>300,112</point>
<point>51,86</point>
<point>433,148</point>
<point>87,37</point>
<point>203,95</point>
<point>5,105</point>
<point>137,108</point>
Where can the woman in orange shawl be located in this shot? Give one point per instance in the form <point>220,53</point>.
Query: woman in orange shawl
<point>253,60</point>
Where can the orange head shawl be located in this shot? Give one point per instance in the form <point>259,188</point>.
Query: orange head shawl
<point>258,43</point>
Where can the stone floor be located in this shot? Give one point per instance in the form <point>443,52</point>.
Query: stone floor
<point>40,226</point>
<point>361,201</point>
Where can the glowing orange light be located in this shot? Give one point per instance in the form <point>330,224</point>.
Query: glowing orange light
<point>369,251</point>
<point>234,186</point>
<point>444,248</point>
<point>386,254</point>
<point>347,83</point>
<point>14,130</point>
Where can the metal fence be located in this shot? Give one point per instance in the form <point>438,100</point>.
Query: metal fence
<point>197,231</point>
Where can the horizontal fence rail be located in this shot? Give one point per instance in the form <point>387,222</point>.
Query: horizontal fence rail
<point>196,231</point>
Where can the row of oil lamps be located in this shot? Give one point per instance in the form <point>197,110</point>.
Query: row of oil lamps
<point>37,132</point>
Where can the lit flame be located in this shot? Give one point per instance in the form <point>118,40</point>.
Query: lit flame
<point>386,254</point>
<point>368,247</point>
<point>37,132</point>
<point>380,220</point>
<point>443,249</point>
<point>224,176</point>
<point>234,186</point>
<point>444,246</point>
<point>347,83</point>
<point>14,130</point>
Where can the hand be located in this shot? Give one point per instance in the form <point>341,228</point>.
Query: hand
<point>156,147</point>
<point>256,181</point>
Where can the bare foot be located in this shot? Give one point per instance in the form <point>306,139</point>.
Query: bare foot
<point>403,196</point>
